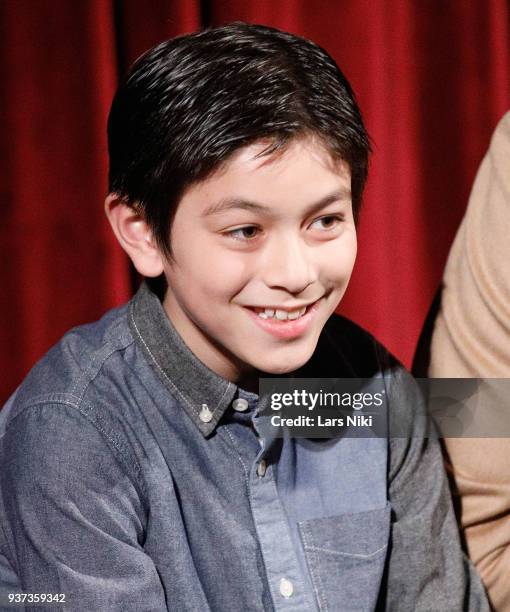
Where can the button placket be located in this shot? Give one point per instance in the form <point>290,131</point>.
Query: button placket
<point>282,565</point>
<point>275,538</point>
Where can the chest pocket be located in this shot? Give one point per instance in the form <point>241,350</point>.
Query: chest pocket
<point>346,555</point>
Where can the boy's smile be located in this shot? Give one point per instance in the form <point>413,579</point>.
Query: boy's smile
<point>285,321</point>
<point>263,252</point>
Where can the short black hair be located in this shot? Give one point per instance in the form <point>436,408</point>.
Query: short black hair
<point>190,102</point>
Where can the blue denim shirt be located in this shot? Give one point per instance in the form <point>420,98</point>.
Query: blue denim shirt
<point>130,482</point>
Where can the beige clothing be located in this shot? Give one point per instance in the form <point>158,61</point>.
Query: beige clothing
<point>472,339</point>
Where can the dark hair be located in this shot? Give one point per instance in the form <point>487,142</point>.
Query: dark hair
<point>190,102</point>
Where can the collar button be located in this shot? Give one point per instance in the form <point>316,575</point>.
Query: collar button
<point>205,414</point>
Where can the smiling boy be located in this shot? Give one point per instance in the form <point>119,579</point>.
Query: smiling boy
<point>135,475</point>
<point>280,231</point>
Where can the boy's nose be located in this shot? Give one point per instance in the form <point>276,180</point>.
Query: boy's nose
<point>289,266</point>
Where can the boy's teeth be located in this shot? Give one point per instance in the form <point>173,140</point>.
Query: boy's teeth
<point>281,315</point>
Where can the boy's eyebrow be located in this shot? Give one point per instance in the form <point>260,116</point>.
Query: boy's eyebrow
<point>343,194</point>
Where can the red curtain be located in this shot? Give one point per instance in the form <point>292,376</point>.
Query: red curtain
<point>432,80</point>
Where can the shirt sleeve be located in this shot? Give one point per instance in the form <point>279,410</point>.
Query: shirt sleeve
<point>427,569</point>
<point>75,513</point>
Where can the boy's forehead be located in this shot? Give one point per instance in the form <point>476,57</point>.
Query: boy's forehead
<point>303,161</point>
<point>303,171</point>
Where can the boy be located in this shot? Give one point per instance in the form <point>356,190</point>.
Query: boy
<point>135,475</point>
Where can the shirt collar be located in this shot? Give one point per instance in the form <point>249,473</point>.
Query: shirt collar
<point>185,376</point>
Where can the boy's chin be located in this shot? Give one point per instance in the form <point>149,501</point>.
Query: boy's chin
<point>284,366</point>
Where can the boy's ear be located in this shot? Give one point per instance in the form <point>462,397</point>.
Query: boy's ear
<point>134,236</point>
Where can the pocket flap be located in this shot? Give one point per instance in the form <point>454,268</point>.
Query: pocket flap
<point>360,534</point>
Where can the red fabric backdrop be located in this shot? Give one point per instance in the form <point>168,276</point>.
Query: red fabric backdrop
<point>432,80</point>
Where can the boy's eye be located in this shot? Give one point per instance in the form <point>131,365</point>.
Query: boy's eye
<point>248,232</point>
<point>327,222</point>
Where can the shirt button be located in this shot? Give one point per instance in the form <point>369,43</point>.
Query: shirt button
<point>240,404</point>
<point>205,414</point>
<point>261,467</point>
<point>286,588</point>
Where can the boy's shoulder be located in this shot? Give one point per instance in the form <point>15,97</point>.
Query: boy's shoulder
<point>65,372</point>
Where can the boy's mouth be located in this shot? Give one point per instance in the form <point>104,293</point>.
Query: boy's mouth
<point>280,314</point>
<point>296,322</point>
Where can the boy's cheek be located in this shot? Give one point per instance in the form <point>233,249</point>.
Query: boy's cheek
<point>338,266</point>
